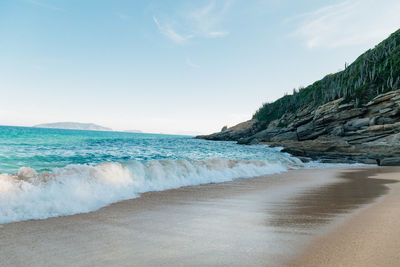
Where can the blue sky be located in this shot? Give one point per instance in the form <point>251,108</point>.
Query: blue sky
<point>173,66</point>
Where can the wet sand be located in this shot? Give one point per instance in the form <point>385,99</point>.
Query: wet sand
<point>368,238</point>
<point>261,221</point>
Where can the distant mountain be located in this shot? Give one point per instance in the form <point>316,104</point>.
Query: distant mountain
<point>73,126</point>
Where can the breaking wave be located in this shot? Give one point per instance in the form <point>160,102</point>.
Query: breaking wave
<point>83,188</point>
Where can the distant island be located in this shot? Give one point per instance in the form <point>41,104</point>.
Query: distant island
<point>73,126</point>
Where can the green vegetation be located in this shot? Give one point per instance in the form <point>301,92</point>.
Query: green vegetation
<point>375,72</point>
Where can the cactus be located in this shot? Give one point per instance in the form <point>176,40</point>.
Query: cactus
<point>374,72</point>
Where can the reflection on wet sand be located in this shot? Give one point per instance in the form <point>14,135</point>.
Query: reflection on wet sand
<point>317,206</point>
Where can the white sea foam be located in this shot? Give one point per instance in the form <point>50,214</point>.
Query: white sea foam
<point>83,188</point>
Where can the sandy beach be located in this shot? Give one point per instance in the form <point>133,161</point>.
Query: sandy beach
<point>368,238</point>
<point>301,218</point>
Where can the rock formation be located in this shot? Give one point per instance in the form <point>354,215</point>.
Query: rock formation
<point>349,116</point>
<point>334,132</point>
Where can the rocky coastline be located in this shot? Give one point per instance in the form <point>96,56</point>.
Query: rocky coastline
<point>336,132</point>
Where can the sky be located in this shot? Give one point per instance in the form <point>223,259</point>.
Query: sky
<point>183,67</point>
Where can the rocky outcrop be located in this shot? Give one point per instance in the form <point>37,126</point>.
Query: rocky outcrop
<point>334,132</point>
<point>247,128</point>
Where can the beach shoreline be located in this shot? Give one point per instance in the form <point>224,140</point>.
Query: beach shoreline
<point>258,221</point>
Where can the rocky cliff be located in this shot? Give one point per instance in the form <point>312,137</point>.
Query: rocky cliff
<point>334,132</point>
<point>350,116</point>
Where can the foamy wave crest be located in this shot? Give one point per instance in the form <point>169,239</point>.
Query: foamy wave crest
<point>83,188</point>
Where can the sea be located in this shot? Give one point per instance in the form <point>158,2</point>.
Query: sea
<point>54,172</point>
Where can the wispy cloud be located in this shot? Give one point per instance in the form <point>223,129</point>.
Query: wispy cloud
<point>191,64</point>
<point>217,34</point>
<point>44,5</point>
<point>169,32</point>
<point>195,22</point>
<point>350,22</point>
<point>206,20</point>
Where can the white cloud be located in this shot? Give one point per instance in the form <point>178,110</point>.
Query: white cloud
<point>350,22</point>
<point>206,20</point>
<point>203,22</point>
<point>169,32</point>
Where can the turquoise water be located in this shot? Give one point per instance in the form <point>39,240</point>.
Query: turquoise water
<point>53,172</point>
<point>45,149</point>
